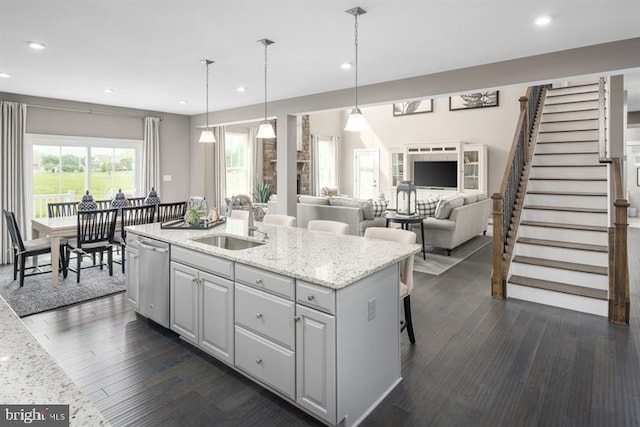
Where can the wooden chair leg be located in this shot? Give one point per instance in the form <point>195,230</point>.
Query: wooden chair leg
<point>101,260</point>
<point>407,318</point>
<point>110,260</point>
<point>22,265</point>
<point>122,259</point>
<point>15,264</point>
<point>78,263</point>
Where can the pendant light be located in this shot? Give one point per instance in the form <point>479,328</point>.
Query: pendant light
<point>355,122</point>
<point>207,134</point>
<point>265,130</point>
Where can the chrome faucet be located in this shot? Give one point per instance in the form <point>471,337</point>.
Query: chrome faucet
<point>241,200</point>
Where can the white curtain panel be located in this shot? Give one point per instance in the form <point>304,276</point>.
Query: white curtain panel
<point>314,178</point>
<point>12,130</point>
<point>255,160</point>
<point>220,168</point>
<point>151,156</point>
<point>315,166</point>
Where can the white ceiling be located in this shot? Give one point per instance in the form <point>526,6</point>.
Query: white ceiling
<point>149,51</point>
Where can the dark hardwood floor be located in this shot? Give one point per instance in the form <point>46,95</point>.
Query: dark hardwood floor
<point>477,362</point>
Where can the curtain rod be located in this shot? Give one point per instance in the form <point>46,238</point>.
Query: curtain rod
<point>77,110</point>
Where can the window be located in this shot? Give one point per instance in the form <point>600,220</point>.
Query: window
<point>237,163</point>
<point>325,162</point>
<point>63,168</point>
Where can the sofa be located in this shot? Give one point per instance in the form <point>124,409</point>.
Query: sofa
<point>454,220</point>
<point>358,213</point>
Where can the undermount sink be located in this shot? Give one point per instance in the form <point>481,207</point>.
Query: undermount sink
<point>228,242</point>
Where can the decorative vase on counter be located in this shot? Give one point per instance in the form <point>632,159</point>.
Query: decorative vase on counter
<point>87,203</point>
<point>152,198</point>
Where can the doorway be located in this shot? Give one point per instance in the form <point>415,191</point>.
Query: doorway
<point>366,172</point>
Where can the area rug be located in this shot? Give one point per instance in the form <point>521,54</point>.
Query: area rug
<point>38,293</point>
<point>438,262</point>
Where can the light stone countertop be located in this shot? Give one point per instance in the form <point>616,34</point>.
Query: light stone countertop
<point>30,375</point>
<point>326,259</point>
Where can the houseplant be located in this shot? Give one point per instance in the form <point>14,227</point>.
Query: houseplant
<point>262,192</point>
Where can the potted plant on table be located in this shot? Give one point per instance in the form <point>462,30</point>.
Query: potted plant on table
<point>261,195</point>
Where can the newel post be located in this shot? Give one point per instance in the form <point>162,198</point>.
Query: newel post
<point>619,288</point>
<point>498,280</point>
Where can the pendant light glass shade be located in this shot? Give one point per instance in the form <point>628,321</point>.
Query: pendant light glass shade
<point>265,131</point>
<point>355,122</point>
<point>207,134</point>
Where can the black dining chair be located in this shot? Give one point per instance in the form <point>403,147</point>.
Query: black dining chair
<point>103,204</point>
<point>171,211</point>
<point>136,201</point>
<point>95,233</point>
<point>55,210</point>
<point>133,215</point>
<point>23,249</point>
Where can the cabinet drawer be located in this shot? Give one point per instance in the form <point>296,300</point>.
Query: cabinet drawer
<point>271,282</point>
<point>319,297</point>
<point>210,263</point>
<point>265,314</point>
<point>272,364</point>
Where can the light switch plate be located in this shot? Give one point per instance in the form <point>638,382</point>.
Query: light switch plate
<point>166,178</point>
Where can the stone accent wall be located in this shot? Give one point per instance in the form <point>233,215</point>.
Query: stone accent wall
<point>303,165</point>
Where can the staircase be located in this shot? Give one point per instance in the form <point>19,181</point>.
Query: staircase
<point>560,252</point>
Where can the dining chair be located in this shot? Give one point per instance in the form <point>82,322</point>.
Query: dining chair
<point>335,227</point>
<point>133,215</point>
<point>55,210</point>
<point>406,270</point>
<point>170,211</point>
<point>278,219</point>
<point>23,249</point>
<point>94,234</point>
<point>103,204</point>
<point>136,201</point>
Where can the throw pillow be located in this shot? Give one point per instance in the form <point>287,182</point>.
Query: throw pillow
<point>481,196</point>
<point>313,200</point>
<point>364,205</point>
<point>427,208</point>
<point>445,206</point>
<point>367,209</point>
<point>329,191</point>
<point>379,207</point>
<point>470,198</point>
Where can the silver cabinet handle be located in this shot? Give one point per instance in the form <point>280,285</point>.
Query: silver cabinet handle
<point>311,298</point>
<point>258,281</point>
<point>258,315</point>
<point>259,361</point>
<point>296,318</point>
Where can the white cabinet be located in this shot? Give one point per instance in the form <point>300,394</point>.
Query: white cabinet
<point>474,174</point>
<point>202,308</point>
<point>132,268</point>
<point>316,362</point>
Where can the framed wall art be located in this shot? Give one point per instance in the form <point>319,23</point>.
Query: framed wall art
<point>415,106</point>
<point>474,100</point>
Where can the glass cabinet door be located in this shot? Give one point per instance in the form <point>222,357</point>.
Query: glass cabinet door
<point>471,169</point>
<point>397,168</point>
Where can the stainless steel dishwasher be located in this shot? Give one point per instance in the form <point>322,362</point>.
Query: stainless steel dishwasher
<point>153,300</point>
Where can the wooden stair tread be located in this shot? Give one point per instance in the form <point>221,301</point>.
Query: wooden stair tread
<point>565,209</point>
<point>598,228</point>
<point>571,102</point>
<point>572,111</point>
<point>568,120</point>
<point>565,288</point>
<point>567,153</point>
<point>599,165</point>
<point>562,265</point>
<point>565,179</point>
<point>567,130</point>
<point>564,245</point>
<point>566,142</point>
<point>550,93</point>
<point>566,193</point>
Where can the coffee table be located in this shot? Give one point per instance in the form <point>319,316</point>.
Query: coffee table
<point>405,221</point>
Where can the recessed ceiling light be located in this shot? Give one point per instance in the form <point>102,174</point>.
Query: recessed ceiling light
<point>346,66</point>
<point>36,45</point>
<point>4,75</point>
<point>241,89</point>
<point>183,101</point>
<point>108,90</point>
<point>543,20</point>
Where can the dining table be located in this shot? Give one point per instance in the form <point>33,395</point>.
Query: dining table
<point>55,228</point>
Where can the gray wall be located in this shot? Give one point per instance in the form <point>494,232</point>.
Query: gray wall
<point>117,122</point>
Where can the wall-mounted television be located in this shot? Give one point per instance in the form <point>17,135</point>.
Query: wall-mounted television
<point>435,174</point>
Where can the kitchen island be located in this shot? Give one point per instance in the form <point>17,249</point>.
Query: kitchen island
<point>312,316</point>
